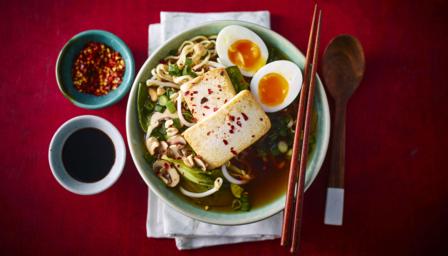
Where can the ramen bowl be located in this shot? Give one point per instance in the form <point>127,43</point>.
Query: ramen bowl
<point>136,137</point>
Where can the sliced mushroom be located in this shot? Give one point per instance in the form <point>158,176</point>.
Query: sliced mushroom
<point>174,151</point>
<point>169,123</point>
<point>163,147</point>
<point>152,144</point>
<point>200,163</point>
<point>185,152</point>
<point>156,118</point>
<point>170,132</point>
<point>176,139</point>
<point>188,161</point>
<point>166,173</point>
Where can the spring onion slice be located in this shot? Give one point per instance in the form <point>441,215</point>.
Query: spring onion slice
<point>230,178</point>
<point>217,185</point>
<point>179,112</point>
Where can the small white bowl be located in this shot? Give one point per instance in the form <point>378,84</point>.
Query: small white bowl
<point>55,155</point>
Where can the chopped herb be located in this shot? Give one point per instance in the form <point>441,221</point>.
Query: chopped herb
<point>174,70</point>
<point>186,71</point>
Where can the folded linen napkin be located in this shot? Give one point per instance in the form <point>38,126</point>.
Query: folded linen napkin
<point>162,220</point>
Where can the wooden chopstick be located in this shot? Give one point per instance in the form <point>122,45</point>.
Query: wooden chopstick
<point>286,227</point>
<point>304,95</point>
<point>304,155</point>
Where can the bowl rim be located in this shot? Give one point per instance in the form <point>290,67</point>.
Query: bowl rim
<point>130,67</point>
<point>271,212</point>
<point>55,155</point>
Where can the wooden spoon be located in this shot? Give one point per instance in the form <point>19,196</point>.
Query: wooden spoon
<point>343,67</point>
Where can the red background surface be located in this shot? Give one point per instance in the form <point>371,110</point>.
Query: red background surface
<point>396,182</point>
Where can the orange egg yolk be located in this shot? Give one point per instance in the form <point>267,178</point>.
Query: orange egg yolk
<point>246,55</point>
<point>273,89</point>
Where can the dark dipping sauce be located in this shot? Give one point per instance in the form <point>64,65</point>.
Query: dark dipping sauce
<point>88,155</point>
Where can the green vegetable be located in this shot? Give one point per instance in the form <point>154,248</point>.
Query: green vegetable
<point>171,107</point>
<point>236,190</point>
<point>242,204</point>
<point>177,124</point>
<point>245,204</point>
<point>174,70</point>
<point>144,106</point>
<point>188,116</point>
<point>159,132</point>
<point>238,81</point>
<point>159,108</point>
<point>186,71</point>
<point>289,153</point>
<point>194,175</point>
<point>282,146</point>
<point>169,92</point>
<point>275,54</point>
<point>162,100</point>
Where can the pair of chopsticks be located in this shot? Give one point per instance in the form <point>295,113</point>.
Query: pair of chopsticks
<point>292,220</point>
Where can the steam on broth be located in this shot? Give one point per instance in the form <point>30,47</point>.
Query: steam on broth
<point>207,136</point>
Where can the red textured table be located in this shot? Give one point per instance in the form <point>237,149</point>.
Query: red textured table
<point>396,180</point>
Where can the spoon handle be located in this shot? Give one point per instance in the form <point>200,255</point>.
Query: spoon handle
<point>334,206</point>
<point>337,164</point>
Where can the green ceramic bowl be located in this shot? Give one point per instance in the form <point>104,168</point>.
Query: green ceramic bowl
<point>65,62</point>
<point>136,137</point>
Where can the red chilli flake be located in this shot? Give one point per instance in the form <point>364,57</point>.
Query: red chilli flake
<point>215,109</point>
<point>97,69</point>
<point>225,142</point>
<point>244,116</point>
<point>232,150</point>
<point>206,107</point>
<point>210,91</point>
<point>232,118</point>
<point>238,123</point>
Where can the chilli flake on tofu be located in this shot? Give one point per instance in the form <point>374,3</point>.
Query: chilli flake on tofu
<point>207,134</point>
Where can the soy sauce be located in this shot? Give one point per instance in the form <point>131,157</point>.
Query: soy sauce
<point>88,155</point>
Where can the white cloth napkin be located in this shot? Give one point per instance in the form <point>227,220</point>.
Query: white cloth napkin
<point>162,220</point>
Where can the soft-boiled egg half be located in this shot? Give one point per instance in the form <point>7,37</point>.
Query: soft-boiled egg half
<point>276,85</point>
<point>239,46</point>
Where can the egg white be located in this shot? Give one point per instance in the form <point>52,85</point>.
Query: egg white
<point>228,35</point>
<point>288,70</point>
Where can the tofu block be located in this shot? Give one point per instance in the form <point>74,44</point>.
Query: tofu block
<point>205,94</point>
<point>234,127</point>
